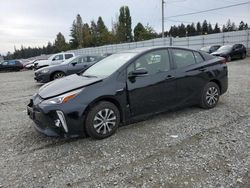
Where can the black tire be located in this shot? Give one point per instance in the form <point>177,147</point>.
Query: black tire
<point>229,58</point>
<point>243,55</point>
<point>58,75</point>
<point>106,127</point>
<point>210,96</point>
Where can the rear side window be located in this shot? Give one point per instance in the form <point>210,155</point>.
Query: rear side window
<point>183,58</point>
<point>198,57</point>
<point>67,56</point>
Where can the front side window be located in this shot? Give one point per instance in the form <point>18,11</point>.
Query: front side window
<point>58,57</point>
<point>153,62</point>
<point>183,58</point>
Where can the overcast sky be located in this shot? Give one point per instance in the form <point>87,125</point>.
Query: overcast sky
<point>35,22</point>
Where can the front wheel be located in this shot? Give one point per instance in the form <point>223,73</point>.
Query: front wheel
<point>102,120</point>
<point>210,96</point>
<point>58,75</point>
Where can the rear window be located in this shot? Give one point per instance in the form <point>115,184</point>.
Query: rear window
<point>67,56</point>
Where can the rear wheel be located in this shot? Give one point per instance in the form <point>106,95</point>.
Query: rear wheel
<point>58,75</point>
<point>243,55</point>
<point>210,95</point>
<point>102,120</point>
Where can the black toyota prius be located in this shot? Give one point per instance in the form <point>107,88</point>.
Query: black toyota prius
<point>127,86</point>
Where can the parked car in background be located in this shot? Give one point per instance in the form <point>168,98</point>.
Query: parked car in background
<point>29,65</point>
<point>11,65</point>
<point>53,60</point>
<point>126,86</point>
<point>210,49</point>
<point>229,52</point>
<point>70,66</point>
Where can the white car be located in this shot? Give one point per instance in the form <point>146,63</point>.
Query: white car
<point>53,60</point>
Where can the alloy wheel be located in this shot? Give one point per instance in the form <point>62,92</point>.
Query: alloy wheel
<point>104,121</point>
<point>58,75</point>
<point>212,96</point>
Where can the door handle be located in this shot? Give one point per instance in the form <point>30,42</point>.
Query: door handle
<point>169,77</point>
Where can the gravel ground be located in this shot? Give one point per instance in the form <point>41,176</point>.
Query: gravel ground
<point>191,147</point>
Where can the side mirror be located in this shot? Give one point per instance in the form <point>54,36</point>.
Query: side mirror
<point>74,63</point>
<point>53,59</point>
<point>138,72</point>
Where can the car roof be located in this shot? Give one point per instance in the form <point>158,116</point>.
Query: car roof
<point>144,49</point>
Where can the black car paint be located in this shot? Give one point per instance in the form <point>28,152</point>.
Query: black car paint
<point>17,66</point>
<point>135,97</point>
<point>237,51</point>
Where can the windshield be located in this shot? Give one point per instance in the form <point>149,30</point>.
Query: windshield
<point>225,48</point>
<point>109,65</point>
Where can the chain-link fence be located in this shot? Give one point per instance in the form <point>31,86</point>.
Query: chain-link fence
<point>194,42</point>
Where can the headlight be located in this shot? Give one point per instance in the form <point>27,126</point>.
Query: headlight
<point>62,98</point>
<point>45,71</point>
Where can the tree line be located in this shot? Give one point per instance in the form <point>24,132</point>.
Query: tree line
<point>95,34</point>
<point>203,28</point>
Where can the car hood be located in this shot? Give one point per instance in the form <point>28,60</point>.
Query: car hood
<point>220,52</point>
<point>66,84</point>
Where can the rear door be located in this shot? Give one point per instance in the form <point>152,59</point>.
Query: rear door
<point>154,91</point>
<point>190,75</point>
<point>11,65</point>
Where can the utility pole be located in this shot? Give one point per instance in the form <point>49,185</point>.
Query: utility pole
<point>162,7</point>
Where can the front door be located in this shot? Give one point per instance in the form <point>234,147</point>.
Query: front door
<point>154,91</point>
<point>77,65</point>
